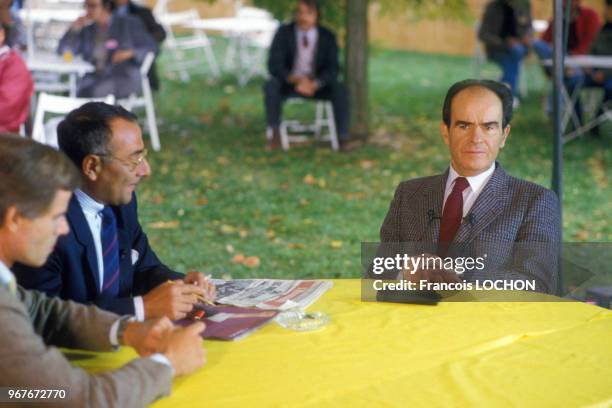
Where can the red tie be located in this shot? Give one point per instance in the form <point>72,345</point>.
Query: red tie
<point>305,40</point>
<point>453,211</point>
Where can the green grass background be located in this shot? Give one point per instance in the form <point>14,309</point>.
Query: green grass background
<point>215,192</point>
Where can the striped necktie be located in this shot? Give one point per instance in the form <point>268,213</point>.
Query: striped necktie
<point>110,252</point>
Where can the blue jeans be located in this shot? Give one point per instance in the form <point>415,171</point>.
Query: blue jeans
<point>510,63</point>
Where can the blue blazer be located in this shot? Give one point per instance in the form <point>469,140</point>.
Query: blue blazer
<point>71,272</point>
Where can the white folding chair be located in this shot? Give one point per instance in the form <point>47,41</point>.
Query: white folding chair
<point>296,131</point>
<point>178,45</point>
<point>145,99</point>
<point>59,105</point>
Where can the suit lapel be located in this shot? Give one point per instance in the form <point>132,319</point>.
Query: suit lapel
<point>486,207</point>
<point>81,230</point>
<point>430,208</point>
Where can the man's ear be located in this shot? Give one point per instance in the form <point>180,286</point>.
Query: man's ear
<point>11,218</point>
<point>505,136</point>
<point>444,132</point>
<point>91,167</point>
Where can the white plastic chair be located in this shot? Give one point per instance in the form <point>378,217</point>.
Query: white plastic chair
<point>197,41</point>
<point>295,131</point>
<point>145,100</point>
<point>59,105</point>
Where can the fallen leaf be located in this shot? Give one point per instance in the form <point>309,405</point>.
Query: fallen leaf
<point>224,161</point>
<point>243,233</point>
<point>202,201</point>
<point>304,202</point>
<point>308,221</point>
<point>180,212</point>
<point>309,179</point>
<point>238,259</point>
<point>229,248</point>
<point>270,234</point>
<point>322,183</point>
<point>336,244</point>
<point>367,164</point>
<point>164,224</point>
<point>275,218</point>
<point>251,262</point>
<point>293,245</point>
<point>227,229</point>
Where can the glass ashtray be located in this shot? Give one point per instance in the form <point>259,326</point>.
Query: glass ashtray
<point>301,320</point>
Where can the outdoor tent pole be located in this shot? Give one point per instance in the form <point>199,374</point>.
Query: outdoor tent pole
<point>558,51</point>
<point>557,179</point>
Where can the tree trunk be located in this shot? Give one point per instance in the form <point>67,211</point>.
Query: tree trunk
<point>357,65</point>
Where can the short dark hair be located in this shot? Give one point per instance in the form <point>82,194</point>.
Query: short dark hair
<point>86,130</point>
<point>499,89</point>
<point>312,4</point>
<point>31,174</point>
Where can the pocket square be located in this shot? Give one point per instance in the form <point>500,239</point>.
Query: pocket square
<point>135,256</point>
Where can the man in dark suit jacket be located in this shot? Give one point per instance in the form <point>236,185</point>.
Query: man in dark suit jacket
<point>475,206</point>
<point>127,7</point>
<point>106,258</point>
<point>34,193</point>
<point>115,45</point>
<point>303,61</point>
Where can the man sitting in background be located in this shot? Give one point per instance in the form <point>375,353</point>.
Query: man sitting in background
<point>115,45</point>
<point>127,7</point>
<point>35,190</point>
<point>16,88</point>
<point>303,62</point>
<point>602,77</point>
<point>506,33</point>
<point>106,258</point>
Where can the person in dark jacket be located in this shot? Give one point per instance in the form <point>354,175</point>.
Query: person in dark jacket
<point>127,7</point>
<point>506,33</point>
<point>115,45</point>
<point>303,62</point>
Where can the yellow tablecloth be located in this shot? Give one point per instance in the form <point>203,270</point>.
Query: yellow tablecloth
<point>374,354</point>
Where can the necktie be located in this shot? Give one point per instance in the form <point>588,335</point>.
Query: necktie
<point>453,211</point>
<point>110,252</point>
<point>305,40</point>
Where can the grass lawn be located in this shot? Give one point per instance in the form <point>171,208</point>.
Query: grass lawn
<point>215,193</point>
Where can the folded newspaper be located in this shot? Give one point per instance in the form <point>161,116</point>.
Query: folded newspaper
<point>271,294</point>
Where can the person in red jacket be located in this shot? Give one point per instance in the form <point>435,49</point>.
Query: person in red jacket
<point>16,88</point>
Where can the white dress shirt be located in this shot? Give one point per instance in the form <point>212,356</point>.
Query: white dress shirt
<point>470,194</point>
<point>304,58</point>
<point>93,214</point>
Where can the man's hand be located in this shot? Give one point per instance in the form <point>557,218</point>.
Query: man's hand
<point>147,337</point>
<point>294,79</point>
<point>599,77</point>
<point>120,56</point>
<point>184,349</point>
<point>433,275</point>
<point>79,23</point>
<point>199,279</point>
<point>512,41</point>
<point>173,299</point>
<point>306,87</point>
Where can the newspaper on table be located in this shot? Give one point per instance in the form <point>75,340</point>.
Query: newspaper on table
<point>273,294</point>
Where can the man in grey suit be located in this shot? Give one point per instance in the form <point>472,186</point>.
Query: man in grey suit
<point>475,204</point>
<point>36,186</point>
<point>115,45</point>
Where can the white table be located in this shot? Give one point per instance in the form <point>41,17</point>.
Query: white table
<point>243,33</point>
<point>581,61</point>
<point>49,62</point>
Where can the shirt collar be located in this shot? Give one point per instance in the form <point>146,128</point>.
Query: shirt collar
<point>88,204</point>
<point>5,274</point>
<point>4,50</point>
<point>122,10</point>
<point>476,182</point>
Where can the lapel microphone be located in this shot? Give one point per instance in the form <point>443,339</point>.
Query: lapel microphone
<point>431,215</point>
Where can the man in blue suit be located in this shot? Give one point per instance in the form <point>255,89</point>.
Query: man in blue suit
<point>106,258</point>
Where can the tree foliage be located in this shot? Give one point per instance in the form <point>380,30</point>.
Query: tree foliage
<point>333,11</point>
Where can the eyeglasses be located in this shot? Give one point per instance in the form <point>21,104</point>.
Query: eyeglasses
<point>131,164</point>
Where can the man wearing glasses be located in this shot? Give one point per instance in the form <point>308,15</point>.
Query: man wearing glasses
<point>106,258</point>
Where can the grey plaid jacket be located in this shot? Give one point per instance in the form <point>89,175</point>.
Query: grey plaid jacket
<point>514,221</point>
